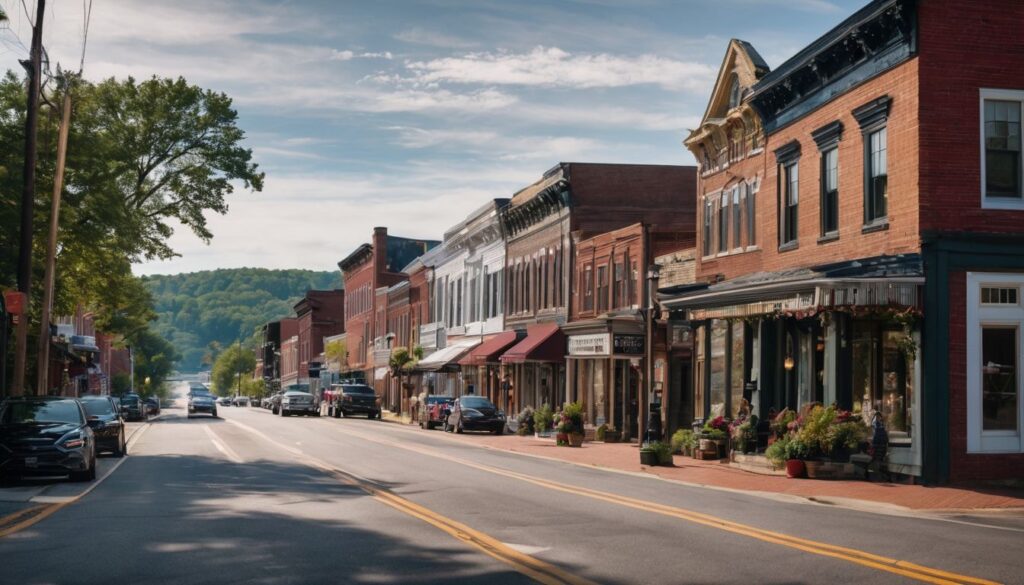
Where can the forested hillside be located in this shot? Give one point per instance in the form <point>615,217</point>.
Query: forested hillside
<point>223,306</point>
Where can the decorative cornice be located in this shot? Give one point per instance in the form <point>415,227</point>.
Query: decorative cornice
<point>548,202</point>
<point>359,256</point>
<point>828,135</point>
<point>873,114</point>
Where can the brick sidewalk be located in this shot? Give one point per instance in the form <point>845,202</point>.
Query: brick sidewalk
<point>625,457</point>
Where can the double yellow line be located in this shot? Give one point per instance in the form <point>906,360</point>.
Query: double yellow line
<point>22,519</point>
<point>536,569</point>
<point>863,558</point>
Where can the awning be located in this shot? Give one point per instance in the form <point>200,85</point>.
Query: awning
<point>489,351</point>
<point>380,373</point>
<point>449,355</point>
<point>544,343</point>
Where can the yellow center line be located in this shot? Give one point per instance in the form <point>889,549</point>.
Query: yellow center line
<point>532,567</point>
<point>896,566</point>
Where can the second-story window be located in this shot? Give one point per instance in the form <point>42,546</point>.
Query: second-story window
<point>602,288</point>
<point>878,178</point>
<point>737,217</point>
<point>708,215</point>
<point>751,214</point>
<point>1001,134</point>
<point>588,288</point>
<point>790,202</point>
<point>619,289</point>
<point>723,224</point>
<point>830,191</point>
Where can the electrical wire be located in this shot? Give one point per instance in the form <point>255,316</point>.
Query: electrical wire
<point>86,18</point>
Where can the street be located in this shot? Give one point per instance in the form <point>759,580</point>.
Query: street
<point>254,498</point>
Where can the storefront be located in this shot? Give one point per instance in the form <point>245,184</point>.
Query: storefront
<point>442,374</point>
<point>604,371</point>
<point>484,364</point>
<point>851,341</point>
<point>536,368</point>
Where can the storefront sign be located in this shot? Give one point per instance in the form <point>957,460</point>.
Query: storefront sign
<point>14,302</point>
<point>629,345</point>
<point>597,344</point>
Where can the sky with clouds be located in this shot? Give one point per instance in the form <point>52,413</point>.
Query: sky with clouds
<point>411,114</point>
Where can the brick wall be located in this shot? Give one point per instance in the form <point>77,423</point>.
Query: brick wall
<point>902,235</point>
<point>962,49</point>
<point>964,466</point>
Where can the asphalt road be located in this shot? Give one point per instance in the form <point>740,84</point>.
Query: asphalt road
<point>254,498</point>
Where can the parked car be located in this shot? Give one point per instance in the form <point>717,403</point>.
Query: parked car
<point>475,413</point>
<point>224,401</point>
<point>202,402</point>
<point>152,406</point>
<point>104,415</point>
<point>132,407</point>
<point>433,411</point>
<point>273,401</point>
<point>241,401</point>
<point>46,436</point>
<point>295,402</point>
<point>349,399</point>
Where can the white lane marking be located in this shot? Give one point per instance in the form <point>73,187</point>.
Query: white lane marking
<point>222,447</point>
<point>527,549</point>
<point>67,499</point>
<point>291,450</point>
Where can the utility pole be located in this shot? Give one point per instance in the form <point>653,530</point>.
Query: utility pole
<point>42,367</point>
<point>239,392</point>
<point>34,67</point>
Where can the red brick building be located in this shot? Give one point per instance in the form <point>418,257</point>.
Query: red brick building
<point>888,205</point>
<point>321,313</point>
<point>368,272</point>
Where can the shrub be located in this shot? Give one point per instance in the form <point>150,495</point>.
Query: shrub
<point>777,452</point>
<point>814,432</point>
<point>543,418</point>
<point>683,438</point>
<point>797,448</point>
<point>846,435</point>
<point>780,424</point>
<point>571,420</point>
<point>600,433</point>
<point>525,422</point>
<point>664,451</point>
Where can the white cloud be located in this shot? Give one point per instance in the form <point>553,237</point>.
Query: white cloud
<point>349,55</point>
<point>419,36</point>
<point>553,67</point>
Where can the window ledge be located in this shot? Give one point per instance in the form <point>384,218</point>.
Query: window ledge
<point>789,246</point>
<point>1002,203</point>
<point>720,254</point>
<point>829,237</point>
<point>753,248</point>
<point>875,226</point>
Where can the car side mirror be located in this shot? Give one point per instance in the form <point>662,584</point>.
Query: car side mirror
<point>94,422</point>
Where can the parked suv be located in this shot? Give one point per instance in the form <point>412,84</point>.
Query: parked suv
<point>106,422</point>
<point>349,399</point>
<point>46,436</point>
<point>133,407</point>
<point>293,402</point>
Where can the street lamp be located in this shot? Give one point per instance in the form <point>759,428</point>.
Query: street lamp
<point>653,275</point>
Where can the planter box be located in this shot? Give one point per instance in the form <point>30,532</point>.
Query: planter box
<point>831,470</point>
<point>575,439</point>
<point>648,458</point>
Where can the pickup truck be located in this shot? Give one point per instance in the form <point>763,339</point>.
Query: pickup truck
<point>348,399</point>
<point>434,410</point>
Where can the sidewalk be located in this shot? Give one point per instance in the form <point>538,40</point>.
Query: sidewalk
<point>625,457</point>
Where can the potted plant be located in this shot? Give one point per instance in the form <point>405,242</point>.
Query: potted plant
<point>797,452</point>
<point>662,451</point>
<point>684,441</point>
<point>715,431</point>
<point>648,456</point>
<point>776,452</point>
<point>524,422</point>
<point>600,433</point>
<point>571,424</point>
<point>543,417</point>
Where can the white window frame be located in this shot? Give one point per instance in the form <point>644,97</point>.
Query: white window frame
<point>1016,95</point>
<point>978,316</point>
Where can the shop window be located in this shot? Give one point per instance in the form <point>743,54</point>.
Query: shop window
<point>719,343</point>
<point>883,377</point>
<point>699,362</point>
<point>830,191</point>
<point>1000,389</point>
<point>1001,146</point>
<point>873,118</point>
<point>737,373</point>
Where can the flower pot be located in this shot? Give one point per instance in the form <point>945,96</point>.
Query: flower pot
<point>648,457</point>
<point>561,438</point>
<point>575,439</point>
<point>795,468</point>
<point>665,459</point>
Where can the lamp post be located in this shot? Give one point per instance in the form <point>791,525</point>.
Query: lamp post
<point>653,275</point>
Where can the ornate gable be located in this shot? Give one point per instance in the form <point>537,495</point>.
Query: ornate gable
<point>730,128</point>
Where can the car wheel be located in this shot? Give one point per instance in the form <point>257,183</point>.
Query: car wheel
<point>121,447</point>
<point>189,415</point>
<point>214,414</point>
<point>499,431</point>
<point>379,415</point>
<point>88,474</point>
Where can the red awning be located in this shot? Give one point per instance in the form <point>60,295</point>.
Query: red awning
<point>489,351</point>
<point>544,343</point>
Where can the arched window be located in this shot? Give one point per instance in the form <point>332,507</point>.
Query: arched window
<point>734,91</point>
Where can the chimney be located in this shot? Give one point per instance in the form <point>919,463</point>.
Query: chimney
<point>380,252</point>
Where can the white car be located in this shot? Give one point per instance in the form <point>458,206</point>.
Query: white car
<point>293,402</point>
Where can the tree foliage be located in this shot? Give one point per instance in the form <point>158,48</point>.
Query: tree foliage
<point>233,362</point>
<point>203,311</point>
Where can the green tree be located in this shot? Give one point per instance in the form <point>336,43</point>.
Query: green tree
<point>154,359</point>
<point>337,351</point>
<point>234,361</point>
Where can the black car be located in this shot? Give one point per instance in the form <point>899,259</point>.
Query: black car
<point>349,399</point>
<point>46,436</point>
<point>106,422</point>
<point>475,413</point>
<point>132,407</point>
<point>152,405</point>
<point>202,402</point>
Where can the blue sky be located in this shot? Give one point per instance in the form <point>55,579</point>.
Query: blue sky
<point>412,114</point>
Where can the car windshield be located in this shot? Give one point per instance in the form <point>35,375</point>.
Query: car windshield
<point>475,402</point>
<point>130,400</point>
<point>97,406</point>
<point>39,411</point>
<point>358,389</point>
<point>438,399</point>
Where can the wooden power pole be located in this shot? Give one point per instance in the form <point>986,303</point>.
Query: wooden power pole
<point>42,367</point>
<point>34,67</point>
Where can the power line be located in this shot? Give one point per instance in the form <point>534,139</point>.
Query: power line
<point>86,18</point>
